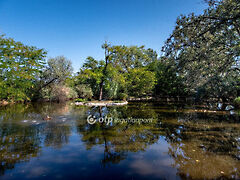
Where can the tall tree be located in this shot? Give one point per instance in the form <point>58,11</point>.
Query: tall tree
<point>140,82</point>
<point>109,77</point>
<point>58,69</point>
<point>20,68</point>
<point>206,47</point>
<point>52,85</point>
<point>107,53</point>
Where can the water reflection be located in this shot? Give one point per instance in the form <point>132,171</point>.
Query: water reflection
<point>23,130</point>
<point>178,144</point>
<point>118,139</point>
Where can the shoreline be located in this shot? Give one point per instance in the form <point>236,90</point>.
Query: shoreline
<point>101,103</point>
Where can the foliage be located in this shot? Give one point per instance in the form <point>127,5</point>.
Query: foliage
<point>115,83</point>
<point>80,100</point>
<point>58,92</point>
<point>20,68</point>
<point>58,69</point>
<point>140,82</point>
<point>200,58</point>
<point>168,82</point>
<point>219,87</point>
<point>122,96</point>
<point>57,73</point>
<point>121,74</point>
<point>84,91</point>
<point>206,47</point>
<point>237,102</point>
<point>90,75</point>
<point>130,57</point>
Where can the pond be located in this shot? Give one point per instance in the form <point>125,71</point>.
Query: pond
<point>137,141</point>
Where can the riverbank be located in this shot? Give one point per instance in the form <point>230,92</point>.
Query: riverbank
<point>208,104</point>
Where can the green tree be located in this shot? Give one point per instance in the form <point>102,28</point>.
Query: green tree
<point>105,63</point>
<point>115,84</point>
<point>130,57</point>
<point>127,62</point>
<point>58,69</point>
<point>54,80</point>
<point>90,75</point>
<point>169,83</point>
<point>20,68</point>
<point>111,78</point>
<point>140,82</point>
<point>206,47</point>
<point>84,91</point>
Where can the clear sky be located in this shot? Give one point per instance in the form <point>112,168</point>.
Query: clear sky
<point>78,28</point>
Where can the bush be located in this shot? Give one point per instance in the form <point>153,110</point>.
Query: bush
<point>84,91</point>
<point>80,100</point>
<point>71,94</point>
<point>236,102</point>
<point>58,93</point>
<point>122,96</point>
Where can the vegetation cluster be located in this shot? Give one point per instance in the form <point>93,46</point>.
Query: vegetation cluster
<point>200,59</point>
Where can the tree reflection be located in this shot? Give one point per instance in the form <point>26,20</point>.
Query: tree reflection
<point>56,135</point>
<point>23,131</point>
<point>204,146</point>
<point>121,138</point>
<point>17,144</point>
<point>197,140</point>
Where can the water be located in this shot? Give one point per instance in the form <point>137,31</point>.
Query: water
<point>179,143</point>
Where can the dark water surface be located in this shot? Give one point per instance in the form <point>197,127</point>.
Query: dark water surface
<point>178,143</point>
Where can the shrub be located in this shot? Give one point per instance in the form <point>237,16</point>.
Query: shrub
<point>58,93</point>
<point>71,94</point>
<point>122,96</point>
<point>236,102</point>
<point>84,91</point>
<point>80,100</point>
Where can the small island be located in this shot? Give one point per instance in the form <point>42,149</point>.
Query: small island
<point>101,103</point>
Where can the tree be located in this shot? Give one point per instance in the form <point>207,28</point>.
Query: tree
<point>90,63</point>
<point>110,78</point>
<point>169,83</point>
<point>90,75</point>
<point>206,46</point>
<point>106,48</point>
<point>130,57</point>
<point>84,91</point>
<point>20,68</point>
<point>127,62</point>
<point>140,82</point>
<point>57,71</point>
<point>52,85</point>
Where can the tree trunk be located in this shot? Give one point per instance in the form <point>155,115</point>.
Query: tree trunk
<point>100,91</point>
<point>224,103</point>
<point>104,73</point>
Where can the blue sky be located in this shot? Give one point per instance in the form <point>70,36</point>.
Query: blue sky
<point>77,28</point>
